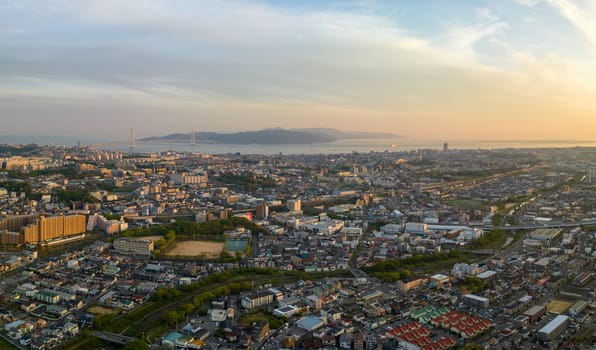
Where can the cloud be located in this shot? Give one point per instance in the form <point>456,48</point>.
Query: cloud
<point>577,17</point>
<point>249,65</point>
<point>528,2</point>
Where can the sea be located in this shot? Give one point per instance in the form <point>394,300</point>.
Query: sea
<point>398,144</point>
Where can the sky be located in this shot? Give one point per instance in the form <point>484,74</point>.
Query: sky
<point>433,69</point>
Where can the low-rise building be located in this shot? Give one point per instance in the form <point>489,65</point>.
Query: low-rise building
<point>553,328</point>
<point>257,299</point>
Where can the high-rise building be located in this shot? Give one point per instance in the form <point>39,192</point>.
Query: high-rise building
<point>35,228</point>
<point>294,205</point>
<point>262,210</point>
<point>445,147</point>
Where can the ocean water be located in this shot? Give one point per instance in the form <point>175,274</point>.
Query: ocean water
<point>397,144</point>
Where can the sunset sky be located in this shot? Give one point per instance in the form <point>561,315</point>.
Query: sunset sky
<point>457,69</point>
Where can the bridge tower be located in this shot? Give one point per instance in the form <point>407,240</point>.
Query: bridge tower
<point>132,144</point>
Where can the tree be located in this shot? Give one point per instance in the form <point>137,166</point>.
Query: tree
<point>103,322</point>
<point>220,333</point>
<point>475,284</point>
<point>189,309</point>
<point>173,317</point>
<point>497,219</point>
<point>137,344</point>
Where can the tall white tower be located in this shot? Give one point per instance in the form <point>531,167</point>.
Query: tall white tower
<point>132,138</point>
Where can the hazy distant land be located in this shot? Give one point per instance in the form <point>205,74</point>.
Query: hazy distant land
<point>276,136</point>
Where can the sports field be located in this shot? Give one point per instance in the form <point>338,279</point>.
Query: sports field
<point>236,245</point>
<point>196,248</point>
<point>557,306</point>
<point>100,310</point>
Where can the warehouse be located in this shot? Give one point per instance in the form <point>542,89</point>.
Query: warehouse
<point>553,328</point>
<point>310,323</point>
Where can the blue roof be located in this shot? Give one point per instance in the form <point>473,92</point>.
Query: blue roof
<point>310,322</point>
<point>15,324</point>
<point>554,324</point>
<point>172,337</point>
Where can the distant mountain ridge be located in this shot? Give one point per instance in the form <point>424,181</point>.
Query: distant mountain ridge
<point>277,136</point>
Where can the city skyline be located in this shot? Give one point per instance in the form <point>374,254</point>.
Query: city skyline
<point>509,70</point>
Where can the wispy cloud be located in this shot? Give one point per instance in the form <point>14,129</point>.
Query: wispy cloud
<point>528,2</point>
<point>247,64</point>
<point>578,18</point>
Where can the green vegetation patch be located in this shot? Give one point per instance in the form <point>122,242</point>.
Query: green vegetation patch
<point>4,345</point>
<point>67,196</point>
<point>17,186</point>
<point>251,183</point>
<point>399,269</point>
<point>494,239</point>
<point>262,315</point>
<point>196,230</point>
<point>465,203</point>
<point>475,284</point>
<point>83,342</point>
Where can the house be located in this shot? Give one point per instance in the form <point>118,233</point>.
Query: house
<point>260,330</point>
<point>71,328</point>
<point>328,340</point>
<point>25,340</point>
<point>15,324</point>
<point>345,341</point>
<point>358,341</point>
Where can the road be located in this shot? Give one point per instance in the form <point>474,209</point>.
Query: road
<point>591,222</point>
<point>113,337</point>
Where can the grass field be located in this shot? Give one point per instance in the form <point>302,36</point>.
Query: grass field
<point>4,345</point>
<point>100,310</point>
<point>465,203</point>
<point>196,248</point>
<point>557,306</point>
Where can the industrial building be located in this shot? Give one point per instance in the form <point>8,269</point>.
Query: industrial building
<point>553,328</point>
<point>310,323</point>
